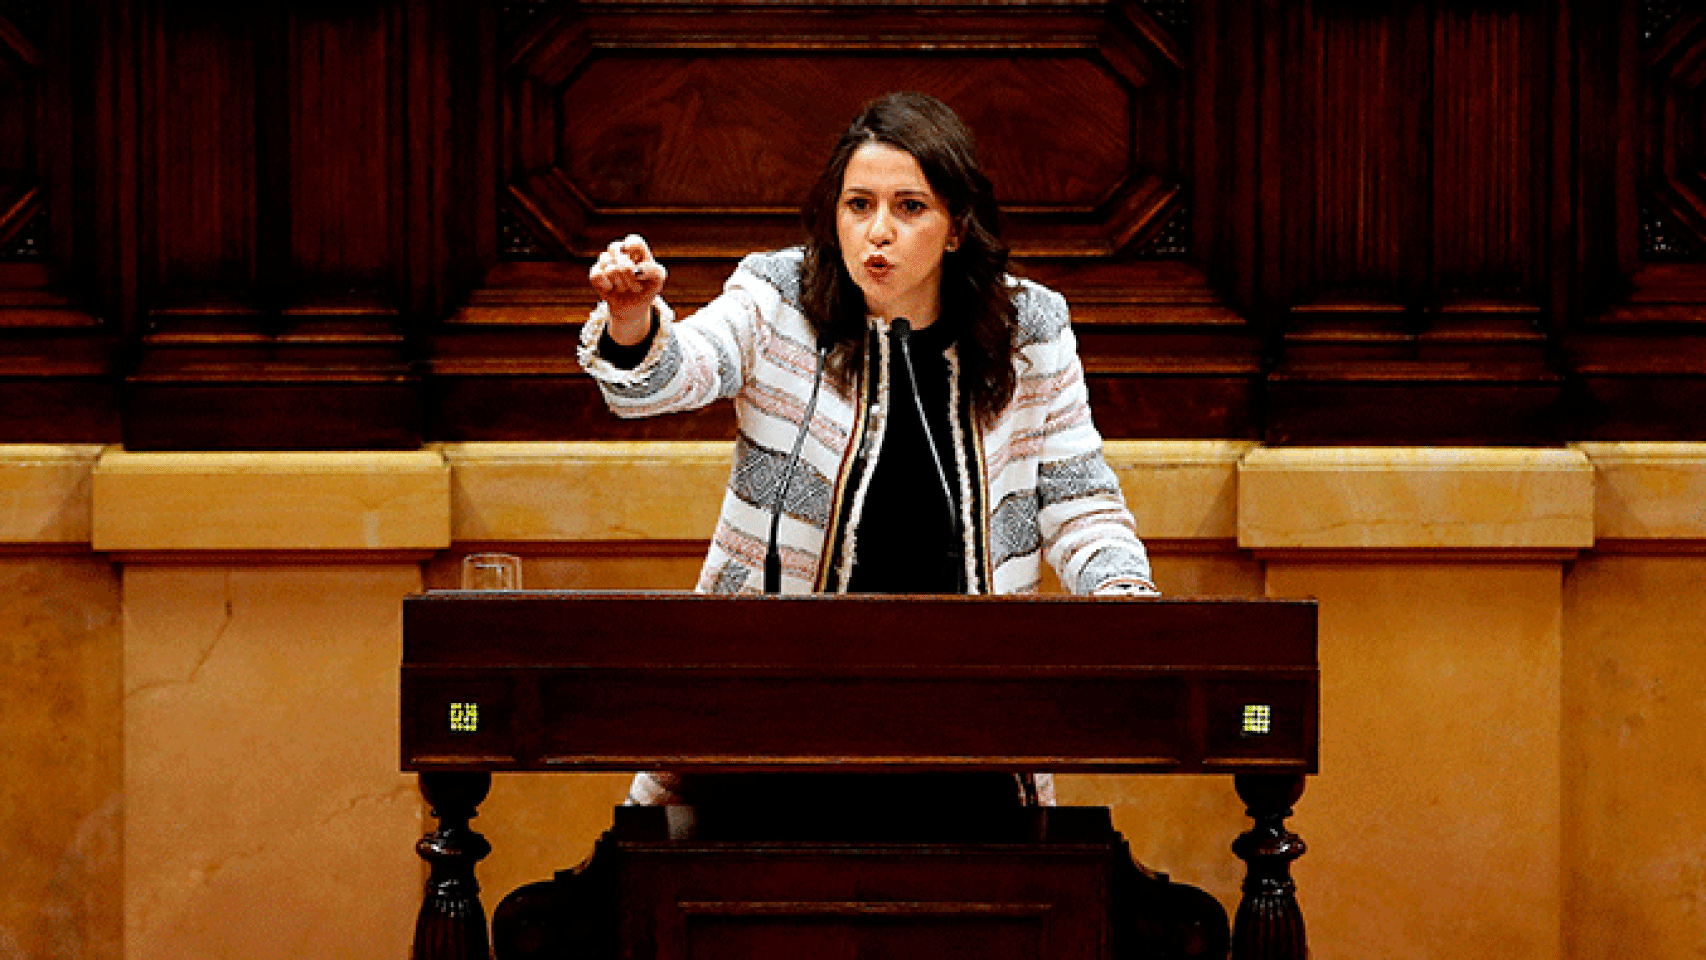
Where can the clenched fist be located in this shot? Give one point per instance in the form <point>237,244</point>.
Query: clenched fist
<point>628,280</point>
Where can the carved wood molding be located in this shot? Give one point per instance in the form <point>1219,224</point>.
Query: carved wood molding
<point>711,155</point>
<point>1675,138</point>
<point>1637,355</point>
<point>57,358</point>
<point>1310,221</point>
<point>20,173</point>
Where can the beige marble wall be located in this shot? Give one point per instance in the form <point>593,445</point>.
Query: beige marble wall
<point>1634,618</point>
<point>265,814</point>
<point>1510,717</point>
<point>1440,577</point>
<point>1434,823</point>
<point>61,714</point>
<point>62,811</point>
<point>1634,669</point>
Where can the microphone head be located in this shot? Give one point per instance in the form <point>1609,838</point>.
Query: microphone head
<point>902,327</point>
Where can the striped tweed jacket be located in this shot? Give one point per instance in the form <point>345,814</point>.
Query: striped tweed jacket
<point>1033,485</point>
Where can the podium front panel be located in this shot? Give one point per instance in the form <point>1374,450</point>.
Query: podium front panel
<point>617,681</point>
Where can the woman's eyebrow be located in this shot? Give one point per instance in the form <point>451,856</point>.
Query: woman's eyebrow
<point>909,191</point>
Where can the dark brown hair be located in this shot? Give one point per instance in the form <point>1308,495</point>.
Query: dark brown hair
<point>977,303</point>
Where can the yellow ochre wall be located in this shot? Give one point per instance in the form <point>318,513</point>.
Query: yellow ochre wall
<point>198,685</point>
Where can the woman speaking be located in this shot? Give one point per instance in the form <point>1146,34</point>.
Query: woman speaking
<point>912,418</point>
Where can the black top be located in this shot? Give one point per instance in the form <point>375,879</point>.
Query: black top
<point>908,541</point>
<point>907,535</point>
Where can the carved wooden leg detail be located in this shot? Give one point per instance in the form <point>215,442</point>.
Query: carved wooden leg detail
<point>574,914</point>
<point>452,924</point>
<point>1159,919</point>
<point>1269,926</point>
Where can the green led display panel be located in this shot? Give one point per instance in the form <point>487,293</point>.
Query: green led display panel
<point>1258,720</point>
<point>464,718</point>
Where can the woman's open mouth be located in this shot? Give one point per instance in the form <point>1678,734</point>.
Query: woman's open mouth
<point>878,267</point>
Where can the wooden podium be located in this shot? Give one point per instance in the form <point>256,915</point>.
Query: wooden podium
<point>570,681</point>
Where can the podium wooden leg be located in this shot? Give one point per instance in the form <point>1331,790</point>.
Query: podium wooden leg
<point>452,924</point>
<point>1269,925</point>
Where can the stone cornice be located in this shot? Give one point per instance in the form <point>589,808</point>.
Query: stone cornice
<point>1367,504</point>
<point>270,503</point>
<point>1454,501</point>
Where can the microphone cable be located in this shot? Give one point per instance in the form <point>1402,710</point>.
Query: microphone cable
<point>901,328</point>
<point>773,553</point>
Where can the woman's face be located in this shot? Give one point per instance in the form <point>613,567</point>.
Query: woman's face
<point>893,230</point>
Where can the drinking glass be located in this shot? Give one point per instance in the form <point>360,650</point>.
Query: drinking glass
<point>491,571</point>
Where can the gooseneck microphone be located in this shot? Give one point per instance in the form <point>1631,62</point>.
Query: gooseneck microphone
<point>901,328</point>
<point>772,552</point>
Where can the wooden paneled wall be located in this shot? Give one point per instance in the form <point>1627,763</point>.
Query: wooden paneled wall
<point>366,223</point>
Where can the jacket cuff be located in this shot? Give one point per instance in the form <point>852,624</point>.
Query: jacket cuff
<point>601,366</point>
<point>627,356</point>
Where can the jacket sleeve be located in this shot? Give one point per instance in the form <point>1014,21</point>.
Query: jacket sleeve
<point>691,362</point>
<point>1088,533</point>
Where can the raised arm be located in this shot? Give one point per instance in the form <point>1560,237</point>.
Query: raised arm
<point>644,370</point>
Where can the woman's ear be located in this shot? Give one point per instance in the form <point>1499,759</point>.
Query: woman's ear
<point>957,234</point>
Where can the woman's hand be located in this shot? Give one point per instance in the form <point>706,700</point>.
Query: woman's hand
<point>628,280</point>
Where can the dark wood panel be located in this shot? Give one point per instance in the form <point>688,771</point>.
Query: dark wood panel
<point>339,100</point>
<point>1674,150</point>
<point>526,629</point>
<point>716,149</point>
<point>1411,148</point>
<point>1637,351</point>
<point>39,408</point>
<point>1138,687</point>
<point>1491,65</point>
<point>1646,406</point>
<point>667,147</point>
<point>1420,410</point>
<point>280,413</point>
<point>1410,259</point>
<point>1191,407</point>
<point>272,153</point>
<point>1084,114</point>
<point>509,406</point>
<point>21,108</point>
<point>1164,356</point>
<point>989,895</point>
<point>198,193</point>
<point>58,358</point>
<point>1350,162</point>
<point>285,259</point>
<point>1272,219</point>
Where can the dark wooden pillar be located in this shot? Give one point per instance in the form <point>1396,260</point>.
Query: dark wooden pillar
<point>1269,925</point>
<point>452,924</point>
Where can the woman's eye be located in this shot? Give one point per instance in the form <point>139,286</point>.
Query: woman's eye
<point>914,206</point>
<point>858,204</point>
